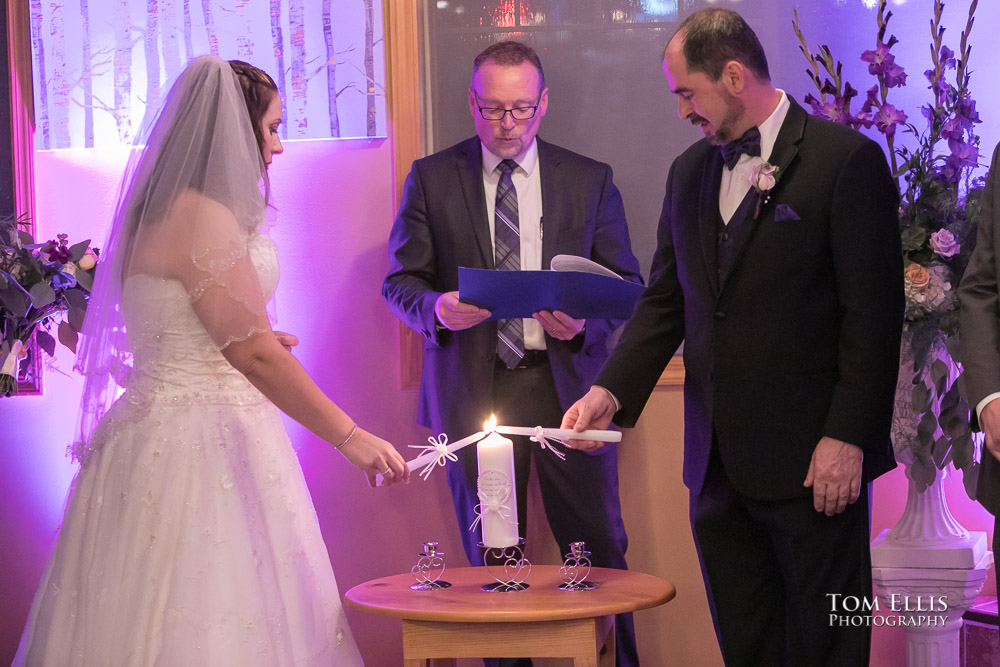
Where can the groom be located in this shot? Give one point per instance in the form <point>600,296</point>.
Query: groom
<point>786,288</point>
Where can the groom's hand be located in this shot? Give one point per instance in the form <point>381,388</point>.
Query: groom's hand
<point>595,411</point>
<point>834,475</point>
<point>455,315</point>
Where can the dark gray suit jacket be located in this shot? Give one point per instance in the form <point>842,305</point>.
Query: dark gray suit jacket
<point>442,224</point>
<point>979,295</point>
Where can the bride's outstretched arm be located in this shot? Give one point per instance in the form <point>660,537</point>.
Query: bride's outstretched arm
<point>279,376</point>
<point>203,245</point>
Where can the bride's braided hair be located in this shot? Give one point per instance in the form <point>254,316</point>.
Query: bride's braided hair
<point>258,91</point>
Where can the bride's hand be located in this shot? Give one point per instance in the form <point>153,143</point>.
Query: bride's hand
<point>376,456</point>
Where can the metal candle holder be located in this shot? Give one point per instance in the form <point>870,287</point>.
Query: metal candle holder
<point>575,569</point>
<point>429,569</point>
<point>509,567</point>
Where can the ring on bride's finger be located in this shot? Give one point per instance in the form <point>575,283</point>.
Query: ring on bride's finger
<point>387,471</point>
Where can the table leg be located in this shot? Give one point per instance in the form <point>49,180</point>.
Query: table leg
<point>606,648</point>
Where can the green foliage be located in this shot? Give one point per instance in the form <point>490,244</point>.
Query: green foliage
<point>38,283</point>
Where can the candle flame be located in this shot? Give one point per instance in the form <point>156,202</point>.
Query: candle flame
<point>491,425</point>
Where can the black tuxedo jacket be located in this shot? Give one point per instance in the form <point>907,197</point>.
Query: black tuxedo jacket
<point>980,298</point>
<point>802,340</point>
<point>442,224</point>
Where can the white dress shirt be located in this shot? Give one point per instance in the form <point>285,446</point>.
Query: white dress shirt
<point>983,403</point>
<point>736,182</point>
<point>528,184</point>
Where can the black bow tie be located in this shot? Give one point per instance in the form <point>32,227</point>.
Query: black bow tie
<point>748,144</point>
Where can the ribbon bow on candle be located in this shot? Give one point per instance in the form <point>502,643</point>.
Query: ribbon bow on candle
<point>492,504</point>
<point>539,437</point>
<point>439,445</point>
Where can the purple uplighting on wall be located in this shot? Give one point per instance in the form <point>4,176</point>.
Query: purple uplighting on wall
<point>335,207</point>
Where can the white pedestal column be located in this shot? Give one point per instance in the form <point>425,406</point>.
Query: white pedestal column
<point>929,601</point>
<point>928,569</point>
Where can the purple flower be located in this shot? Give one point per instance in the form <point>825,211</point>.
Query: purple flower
<point>887,118</point>
<point>56,251</point>
<point>943,243</point>
<point>865,116</point>
<point>814,103</point>
<point>894,77</point>
<point>939,86</point>
<point>953,129</point>
<point>878,60</point>
<point>966,111</point>
<point>836,110</point>
<point>872,97</point>
<point>962,154</point>
<point>947,57</point>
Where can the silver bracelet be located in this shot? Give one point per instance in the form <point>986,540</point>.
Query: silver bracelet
<point>349,436</point>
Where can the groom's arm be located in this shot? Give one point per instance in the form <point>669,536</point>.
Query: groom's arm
<point>980,313</point>
<point>867,269</point>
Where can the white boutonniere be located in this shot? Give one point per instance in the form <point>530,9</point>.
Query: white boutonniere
<point>763,177</point>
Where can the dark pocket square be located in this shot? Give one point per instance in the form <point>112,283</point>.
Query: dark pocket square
<point>784,213</point>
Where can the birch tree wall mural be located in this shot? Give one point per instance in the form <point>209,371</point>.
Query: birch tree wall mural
<point>100,67</point>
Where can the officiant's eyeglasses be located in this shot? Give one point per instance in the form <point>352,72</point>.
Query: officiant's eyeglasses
<point>517,113</point>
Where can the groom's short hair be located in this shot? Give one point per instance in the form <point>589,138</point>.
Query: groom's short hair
<point>713,37</point>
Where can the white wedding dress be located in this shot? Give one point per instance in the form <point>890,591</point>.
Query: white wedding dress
<point>189,537</point>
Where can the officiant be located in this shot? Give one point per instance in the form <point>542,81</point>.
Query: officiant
<point>507,200</point>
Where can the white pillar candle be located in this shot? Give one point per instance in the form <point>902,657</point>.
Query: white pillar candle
<point>497,499</point>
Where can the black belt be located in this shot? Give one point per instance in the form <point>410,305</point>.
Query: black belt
<point>531,359</point>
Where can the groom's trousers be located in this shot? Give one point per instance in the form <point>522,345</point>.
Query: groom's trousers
<point>781,577</point>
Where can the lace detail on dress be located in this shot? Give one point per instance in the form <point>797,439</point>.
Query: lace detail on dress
<point>218,264</point>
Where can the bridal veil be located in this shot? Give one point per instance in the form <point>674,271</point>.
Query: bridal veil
<point>193,196</point>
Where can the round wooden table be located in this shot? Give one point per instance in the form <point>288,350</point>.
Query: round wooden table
<point>540,622</point>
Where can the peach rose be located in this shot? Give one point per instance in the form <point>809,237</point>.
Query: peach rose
<point>88,260</point>
<point>917,275</point>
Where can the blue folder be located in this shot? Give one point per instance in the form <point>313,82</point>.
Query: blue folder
<point>579,294</point>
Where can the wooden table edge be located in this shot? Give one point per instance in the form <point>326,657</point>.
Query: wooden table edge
<point>667,594</point>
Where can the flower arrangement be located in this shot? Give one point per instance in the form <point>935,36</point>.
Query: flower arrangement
<point>39,281</point>
<point>938,217</point>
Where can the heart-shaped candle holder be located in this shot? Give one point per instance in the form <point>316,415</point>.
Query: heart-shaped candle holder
<point>575,569</point>
<point>508,566</point>
<point>429,569</point>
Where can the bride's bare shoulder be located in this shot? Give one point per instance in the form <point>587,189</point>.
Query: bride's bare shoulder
<point>192,203</point>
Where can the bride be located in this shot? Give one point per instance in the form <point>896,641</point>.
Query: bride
<point>189,536</point>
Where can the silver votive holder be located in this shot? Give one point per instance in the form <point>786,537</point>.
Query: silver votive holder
<point>429,568</point>
<point>576,568</point>
<point>508,566</point>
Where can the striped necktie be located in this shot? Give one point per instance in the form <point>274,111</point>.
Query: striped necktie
<point>507,247</point>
